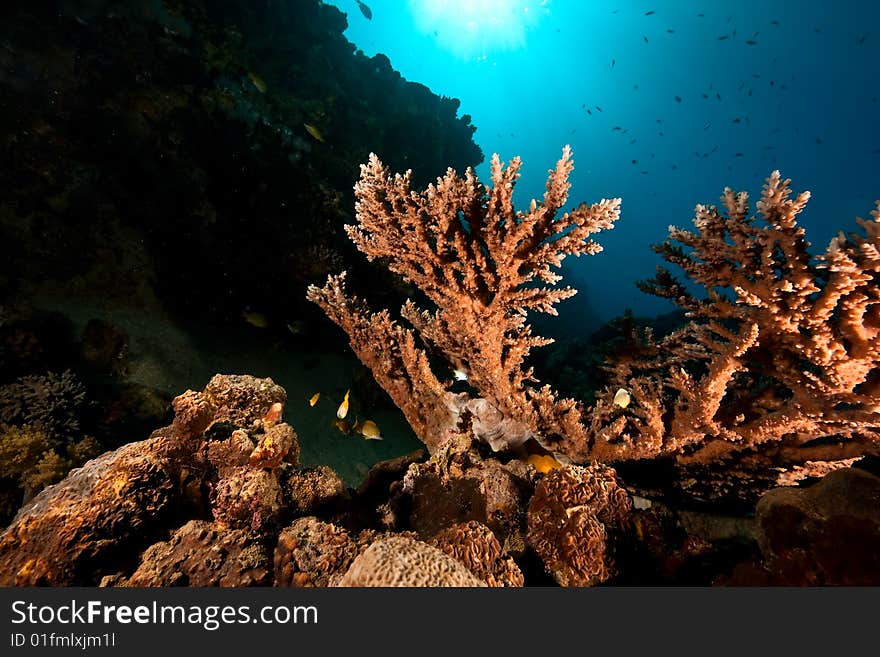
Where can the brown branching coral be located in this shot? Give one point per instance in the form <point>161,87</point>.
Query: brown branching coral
<point>778,366</point>
<point>483,265</point>
<point>782,356</point>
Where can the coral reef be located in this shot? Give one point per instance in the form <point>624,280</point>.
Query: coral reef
<point>72,532</point>
<point>315,489</point>
<point>457,485</point>
<point>51,403</point>
<point>574,518</point>
<point>776,368</point>
<point>474,545</point>
<point>779,367</point>
<point>203,554</point>
<point>481,263</point>
<point>142,516</point>
<point>310,552</point>
<point>402,561</point>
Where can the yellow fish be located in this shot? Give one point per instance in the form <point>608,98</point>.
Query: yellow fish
<point>314,132</point>
<point>257,82</point>
<point>342,411</point>
<point>343,426</point>
<point>255,319</point>
<point>369,430</point>
<point>622,398</point>
<point>543,464</point>
<point>314,399</point>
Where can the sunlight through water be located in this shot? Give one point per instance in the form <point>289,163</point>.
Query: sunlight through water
<point>478,29</point>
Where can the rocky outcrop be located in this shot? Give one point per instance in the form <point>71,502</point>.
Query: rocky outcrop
<point>827,534</point>
<point>204,554</point>
<point>99,519</point>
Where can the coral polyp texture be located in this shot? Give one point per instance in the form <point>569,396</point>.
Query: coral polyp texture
<point>776,368</point>
<point>574,519</point>
<point>402,561</point>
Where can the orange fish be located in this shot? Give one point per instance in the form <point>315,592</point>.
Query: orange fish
<point>273,415</point>
<point>543,464</point>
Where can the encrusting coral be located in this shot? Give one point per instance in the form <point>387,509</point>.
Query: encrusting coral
<point>780,370</point>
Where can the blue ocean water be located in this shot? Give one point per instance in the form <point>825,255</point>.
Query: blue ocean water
<point>663,103</point>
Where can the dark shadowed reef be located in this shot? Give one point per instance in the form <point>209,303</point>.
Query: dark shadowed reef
<point>174,162</point>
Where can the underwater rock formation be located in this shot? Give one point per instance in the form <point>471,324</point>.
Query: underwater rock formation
<point>203,554</point>
<point>402,561</point>
<point>94,522</point>
<point>827,534</point>
<point>457,485</point>
<point>140,515</point>
<point>782,373</point>
<point>153,142</point>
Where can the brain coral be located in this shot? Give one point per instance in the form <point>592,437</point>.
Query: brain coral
<point>400,561</point>
<point>573,519</point>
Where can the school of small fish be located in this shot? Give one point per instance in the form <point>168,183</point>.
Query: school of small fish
<point>368,429</point>
<point>744,88</point>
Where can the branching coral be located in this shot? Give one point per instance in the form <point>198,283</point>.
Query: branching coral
<point>781,356</point>
<point>484,266</point>
<point>778,366</point>
<point>51,403</point>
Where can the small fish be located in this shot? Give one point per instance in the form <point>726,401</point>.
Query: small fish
<point>314,399</point>
<point>314,132</point>
<point>344,426</point>
<point>255,319</point>
<point>369,430</point>
<point>750,42</point>
<point>622,398</point>
<point>543,463</point>
<point>460,374</point>
<point>645,38</point>
<point>296,327</point>
<point>366,11</point>
<point>273,415</point>
<point>613,62</point>
<point>258,82</point>
<point>342,411</point>
<point>678,99</point>
<point>723,37</point>
<point>648,13</point>
<point>598,108</point>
